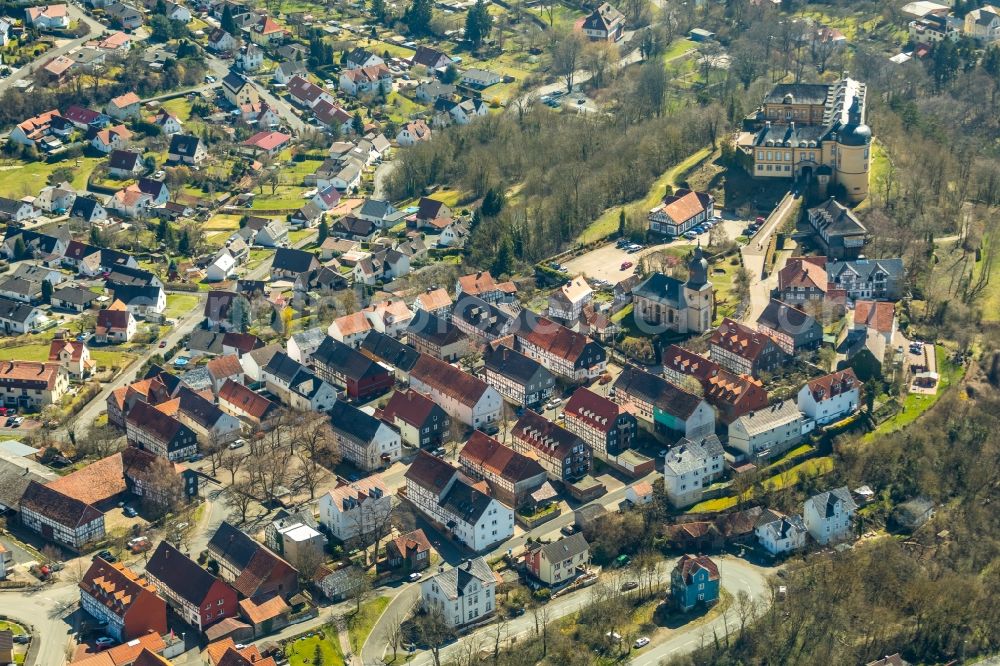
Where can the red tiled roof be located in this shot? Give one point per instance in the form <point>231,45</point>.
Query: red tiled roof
<point>242,398</point>
<point>833,384</point>
<point>97,482</point>
<point>268,610</point>
<point>689,564</point>
<point>30,371</point>
<point>448,379</point>
<point>688,363</point>
<point>484,451</point>
<point>410,406</point>
<point>117,587</point>
<point>739,339</point>
<point>806,272</point>
<point>594,411</point>
<point>267,140</point>
<point>877,315</point>
<point>555,338</point>
<point>126,653</point>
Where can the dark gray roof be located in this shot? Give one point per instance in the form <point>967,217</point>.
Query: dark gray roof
<point>454,582</point>
<point>10,206</point>
<point>465,501</point>
<point>184,145</point>
<point>657,391</point>
<point>835,219</point>
<point>15,310</point>
<point>123,159</point>
<point>295,261</point>
<point>14,480</point>
<point>376,208</point>
<point>565,548</point>
<point>865,268</point>
<point>781,134</point>
<point>783,317</point>
<point>354,422</point>
<point>346,360</point>
<point>75,295</point>
<point>233,545</point>
<point>208,342</point>
<point>84,207</point>
<point>22,287</point>
<point>283,367</point>
<point>127,275</point>
<point>130,293</point>
<point>489,320</point>
<point>825,503</point>
<point>802,93</point>
<point>435,330</point>
<point>512,364</point>
<point>389,350</point>
<point>662,288</point>
<point>179,573</point>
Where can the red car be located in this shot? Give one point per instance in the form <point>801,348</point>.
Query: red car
<point>626,265</point>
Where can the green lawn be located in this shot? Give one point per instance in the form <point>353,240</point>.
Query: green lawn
<point>712,505</point>
<point>989,299</point>
<point>20,179</point>
<point>678,49</point>
<point>304,652</point>
<point>361,624</point>
<point>179,305</point>
<point>15,629</point>
<point>607,223</point>
<point>815,466</point>
<point>25,353</point>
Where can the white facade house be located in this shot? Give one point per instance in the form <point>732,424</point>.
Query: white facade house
<point>363,440</point>
<point>462,396</point>
<point>447,497</point>
<point>769,431</point>
<point>464,594</point>
<point>828,516</point>
<point>831,397</point>
<point>689,467</point>
<point>356,508</point>
<point>781,534</point>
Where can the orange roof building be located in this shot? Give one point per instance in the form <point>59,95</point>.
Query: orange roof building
<point>115,594</point>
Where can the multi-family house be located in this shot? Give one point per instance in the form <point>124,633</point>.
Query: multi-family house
<point>363,440</point>
<point>297,386</point>
<point>59,518</point>
<point>744,351</point>
<point>604,24</point>
<point>681,211</point>
<point>731,395</point>
<point>791,328</point>
<point>30,385</point>
<point>437,337</point>
<point>468,399</point>
<point>479,284</point>
<point>376,79</point>
<point>872,279</point>
<point>519,379</point>
<point>828,516</point>
<point>394,356</point>
<point>690,466</point>
<point>831,397</point>
<point>464,594</point>
<point>253,570</point>
<point>803,279</point>
<point>511,476</point>
<point>567,302</point>
<point>73,356</point>
<point>566,353</point>
<point>604,425</point>
<point>420,421</point>
<point>662,406</point>
<point>267,32</point>
<point>199,598</point>
<point>355,509</point>
<point>143,473</point>
<point>125,603</point>
<point>694,581</point>
<point>563,455</point>
<point>343,366</point>
<point>435,302</point>
<point>449,499</point>
<point>203,416</point>
<point>481,321</point>
<point>296,538</point>
<point>159,433</point>
<point>124,107</point>
<point>559,562</point>
<point>836,230</point>
<point>350,329</point>
<point>252,408</point>
<point>779,534</point>
<point>983,24</point>
<point>767,432</point>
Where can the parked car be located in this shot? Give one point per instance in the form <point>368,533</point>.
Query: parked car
<point>415,576</point>
<point>23,639</point>
<point>195,458</point>
<point>104,642</point>
<point>629,585</point>
<point>238,444</point>
<point>626,265</point>
<point>568,530</point>
<point>130,512</point>
<point>107,556</point>
<point>642,641</point>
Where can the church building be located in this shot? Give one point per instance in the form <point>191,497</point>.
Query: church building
<point>668,304</point>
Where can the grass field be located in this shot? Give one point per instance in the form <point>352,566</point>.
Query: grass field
<point>40,352</point>
<point>15,629</point>
<point>679,48</point>
<point>361,624</point>
<point>180,107</point>
<point>989,299</point>
<point>324,645</point>
<point>179,305</point>
<point>607,223</point>
<point>18,179</point>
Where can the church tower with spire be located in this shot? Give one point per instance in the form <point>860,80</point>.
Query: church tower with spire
<point>699,294</point>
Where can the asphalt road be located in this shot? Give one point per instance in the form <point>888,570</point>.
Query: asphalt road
<point>754,254</point>
<point>47,612</point>
<point>220,68</point>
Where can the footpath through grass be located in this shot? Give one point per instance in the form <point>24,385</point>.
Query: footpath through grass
<point>362,623</point>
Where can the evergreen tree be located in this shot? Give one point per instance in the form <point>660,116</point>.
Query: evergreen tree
<point>184,244</point>
<point>20,249</point>
<point>162,229</point>
<point>478,24</point>
<point>324,231</point>
<point>378,9</point>
<point>46,291</point>
<point>95,237</point>
<point>493,202</point>
<point>450,74</point>
<point>621,222</point>
<point>161,8</point>
<point>358,124</point>
<point>504,261</point>
<point>418,17</point>
<point>227,22</point>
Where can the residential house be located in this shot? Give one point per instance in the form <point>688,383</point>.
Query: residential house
<point>435,302</point>
<point>30,385</point>
<point>168,123</point>
<point>307,94</point>
<point>72,299</point>
<point>141,301</point>
<point>35,130</point>
<point>59,518</point>
<point>604,24</point>
<point>359,58</point>
<point>744,351</point>
<point>199,598</point>
<point>350,329</point>
<point>430,58</point>
<point>185,149</point>
<point>662,406</point>
<point>559,562</point>
<point>483,322</point>
<point>767,432</point>
<point>88,209</point>
<point>84,118</point>
<point>828,516</point>
<point>124,16</point>
<point>302,345</point>
<point>326,199</point>
<point>792,329</point>
<point>124,107</point>
<point>464,594</point>
<point>342,365</point>
<point>159,433</point>
<point>601,423</point>
<point>430,90</point>
<point>73,356</point>
<point>436,337</point>
<point>519,379</point>
<point>449,499</point>
<point>413,133</point>
<point>376,79</point>
<point>836,230</point>
<point>267,32</point>
<point>356,509</point>
<point>250,58</point>
<point>123,164</point>
<point>409,552</point>
<point>364,441</point>
<point>983,24</point>
<point>209,422</point>
<point>47,17</point>
<point>111,138</point>
<point>779,534</point>
<point>831,397</point>
<point>14,211</point>
<point>480,78</point>
<point>250,567</point>
<point>226,311</point>
<point>56,199</point>
<point>694,581</point>
<point>639,494</point>
<point>221,41</point>
<point>115,324</point>
<point>564,456</point>
<point>17,317</point>
<point>268,232</point>
<point>681,211</point>
<point>391,317</point>
<point>396,357</point>
<point>266,143</point>
<point>871,279</point>
<point>874,321</point>
<point>511,476</point>
<point>464,397</point>
<point>239,401</point>
<point>690,467</point>
<point>803,279</point>
<point>453,235</point>
<point>290,263</point>
<point>331,115</point>
<point>421,422</point>
<point>125,603</point>
<point>298,387</point>
<point>19,289</point>
<point>222,267</point>
<point>460,112</point>
<point>731,395</point>
<point>284,524</point>
<point>566,353</point>
<point>567,302</point>
<point>287,70</point>
<point>238,90</point>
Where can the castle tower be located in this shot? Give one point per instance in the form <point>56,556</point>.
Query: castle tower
<point>698,294</point>
<point>854,154</point>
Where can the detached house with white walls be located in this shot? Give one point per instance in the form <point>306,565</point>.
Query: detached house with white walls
<point>462,396</point>
<point>831,397</point>
<point>464,594</point>
<point>828,516</point>
<point>779,534</point>
<point>355,508</point>
<point>364,441</point>
<point>690,467</point>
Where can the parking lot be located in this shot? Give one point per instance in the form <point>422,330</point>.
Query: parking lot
<point>608,262</point>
